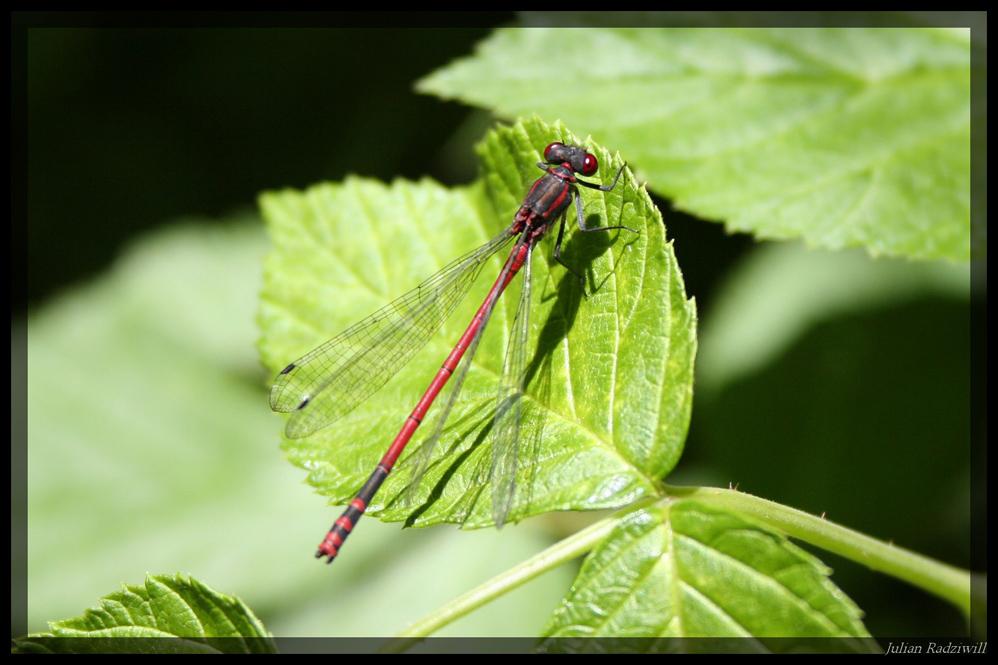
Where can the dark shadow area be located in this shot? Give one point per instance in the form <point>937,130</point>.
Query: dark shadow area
<point>865,418</point>
<point>476,421</point>
<point>705,251</point>
<point>132,128</point>
<point>580,250</point>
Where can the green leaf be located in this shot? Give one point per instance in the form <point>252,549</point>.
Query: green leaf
<point>609,401</point>
<point>138,618</point>
<point>151,447</point>
<point>148,440</point>
<point>692,570</point>
<point>842,137</point>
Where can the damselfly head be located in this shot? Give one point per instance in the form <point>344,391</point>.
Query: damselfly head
<point>581,161</point>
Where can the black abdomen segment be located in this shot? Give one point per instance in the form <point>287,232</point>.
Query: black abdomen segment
<point>330,546</point>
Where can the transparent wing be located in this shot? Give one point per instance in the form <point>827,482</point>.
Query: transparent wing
<point>329,381</point>
<point>509,408</point>
<point>420,460</point>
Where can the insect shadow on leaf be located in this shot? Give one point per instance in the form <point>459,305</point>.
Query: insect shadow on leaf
<point>583,251</point>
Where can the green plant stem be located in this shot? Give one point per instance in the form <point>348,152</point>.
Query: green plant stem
<point>565,550</point>
<point>947,582</point>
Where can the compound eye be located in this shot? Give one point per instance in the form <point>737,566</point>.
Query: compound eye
<point>552,147</point>
<point>589,164</point>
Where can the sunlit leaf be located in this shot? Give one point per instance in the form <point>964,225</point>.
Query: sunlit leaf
<point>842,137</point>
<point>166,614</point>
<point>689,570</point>
<point>611,372</point>
<point>146,380</point>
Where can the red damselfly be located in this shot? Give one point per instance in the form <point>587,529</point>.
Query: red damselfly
<point>328,382</point>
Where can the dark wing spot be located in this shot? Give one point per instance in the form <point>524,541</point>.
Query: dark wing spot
<point>288,368</point>
<point>304,403</point>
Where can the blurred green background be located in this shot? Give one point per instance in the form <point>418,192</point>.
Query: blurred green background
<point>150,444</point>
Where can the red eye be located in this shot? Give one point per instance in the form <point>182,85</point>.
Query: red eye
<point>589,164</point>
<point>551,146</point>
